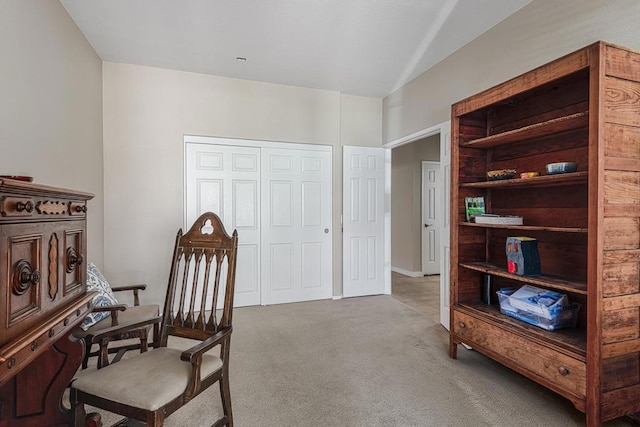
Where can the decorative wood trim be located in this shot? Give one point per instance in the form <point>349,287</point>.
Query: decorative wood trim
<point>53,266</point>
<point>51,207</point>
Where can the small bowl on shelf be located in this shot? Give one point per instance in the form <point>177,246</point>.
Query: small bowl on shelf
<point>499,174</point>
<point>561,167</point>
<point>525,175</point>
<point>17,177</point>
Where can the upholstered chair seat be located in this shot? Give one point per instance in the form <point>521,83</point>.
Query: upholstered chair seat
<point>148,381</point>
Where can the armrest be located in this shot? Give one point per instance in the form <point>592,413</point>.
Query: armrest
<point>113,309</point>
<point>141,286</point>
<point>134,288</point>
<point>193,353</point>
<point>116,329</point>
<point>194,356</point>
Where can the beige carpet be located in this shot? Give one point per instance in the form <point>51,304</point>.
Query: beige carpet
<point>366,362</point>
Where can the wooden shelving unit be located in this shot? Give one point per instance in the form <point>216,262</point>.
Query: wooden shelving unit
<point>581,108</point>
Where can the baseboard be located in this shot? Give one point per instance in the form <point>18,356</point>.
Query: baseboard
<point>407,272</point>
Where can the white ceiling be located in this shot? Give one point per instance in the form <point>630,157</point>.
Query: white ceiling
<point>358,47</point>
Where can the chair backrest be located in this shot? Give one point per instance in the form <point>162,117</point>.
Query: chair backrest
<point>202,270</point>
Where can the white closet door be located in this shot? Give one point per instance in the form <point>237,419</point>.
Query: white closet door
<point>363,246</point>
<point>226,180</point>
<point>296,225</point>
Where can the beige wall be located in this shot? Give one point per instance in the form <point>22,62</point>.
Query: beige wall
<point>147,111</point>
<point>538,33</point>
<point>51,104</point>
<point>406,202</point>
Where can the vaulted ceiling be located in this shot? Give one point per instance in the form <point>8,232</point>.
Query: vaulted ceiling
<point>358,47</point>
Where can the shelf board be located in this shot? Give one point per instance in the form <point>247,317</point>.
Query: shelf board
<point>537,130</point>
<point>571,341</point>
<point>537,181</point>
<point>544,281</point>
<point>527,227</point>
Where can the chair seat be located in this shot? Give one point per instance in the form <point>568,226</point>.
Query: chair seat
<point>149,380</point>
<point>131,315</point>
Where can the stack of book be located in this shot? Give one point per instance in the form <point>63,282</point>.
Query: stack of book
<point>475,212</point>
<point>498,219</point>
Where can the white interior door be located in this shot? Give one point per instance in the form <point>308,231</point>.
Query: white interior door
<point>432,210</point>
<point>363,241</point>
<point>445,164</point>
<point>226,180</point>
<point>296,224</point>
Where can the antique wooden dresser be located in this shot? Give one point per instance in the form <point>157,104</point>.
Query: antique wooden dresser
<point>42,298</point>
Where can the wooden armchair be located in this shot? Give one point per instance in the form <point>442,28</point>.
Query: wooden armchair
<point>151,386</point>
<point>124,323</point>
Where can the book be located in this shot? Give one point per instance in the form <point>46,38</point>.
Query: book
<point>498,219</point>
<point>473,206</point>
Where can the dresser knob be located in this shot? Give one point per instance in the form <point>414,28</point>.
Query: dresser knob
<point>73,259</point>
<point>34,346</point>
<point>24,276</point>
<point>51,333</point>
<point>25,206</point>
<point>462,324</point>
<point>563,371</point>
<point>81,208</point>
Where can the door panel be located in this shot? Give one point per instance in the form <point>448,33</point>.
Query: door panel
<point>363,216</point>
<point>296,219</point>
<point>226,180</point>
<point>432,210</point>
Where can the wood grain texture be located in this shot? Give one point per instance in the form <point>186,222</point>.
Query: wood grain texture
<point>584,107</point>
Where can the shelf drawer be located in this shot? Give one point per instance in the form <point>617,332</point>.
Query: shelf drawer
<point>536,361</point>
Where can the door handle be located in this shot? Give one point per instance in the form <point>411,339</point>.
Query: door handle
<point>427,225</point>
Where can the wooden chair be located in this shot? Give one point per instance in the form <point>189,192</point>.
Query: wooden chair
<point>124,323</point>
<point>150,386</point>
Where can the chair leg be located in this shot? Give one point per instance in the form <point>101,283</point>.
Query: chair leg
<point>87,350</point>
<point>225,394</point>
<point>143,340</point>
<point>103,356</point>
<point>78,413</point>
<point>156,335</point>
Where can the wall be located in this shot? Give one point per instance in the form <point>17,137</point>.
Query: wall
<point>538,33</point>
<point>406,202</point>
<point>147,111</point>
<point>51,105</point>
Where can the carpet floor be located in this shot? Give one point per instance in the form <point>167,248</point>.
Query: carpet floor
<point>365,362</point>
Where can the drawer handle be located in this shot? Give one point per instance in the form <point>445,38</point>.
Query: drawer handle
<point>25,206</point>
<point>462,324</point>
<point>563,371</point>
<point>81,209</point>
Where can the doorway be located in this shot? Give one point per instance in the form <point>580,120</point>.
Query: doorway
<point>431,144</point>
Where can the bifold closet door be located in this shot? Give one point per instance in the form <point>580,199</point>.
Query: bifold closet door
<point>296,225</point>
<point>226,180</point>
<point>279,200</point>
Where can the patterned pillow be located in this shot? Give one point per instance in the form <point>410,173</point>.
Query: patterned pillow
<point>105,297</point>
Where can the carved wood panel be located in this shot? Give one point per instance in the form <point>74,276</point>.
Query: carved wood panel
<point>24,270</point>
<point>72,258</point>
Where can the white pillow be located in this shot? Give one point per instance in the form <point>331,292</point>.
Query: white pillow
<point>105,297</point>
